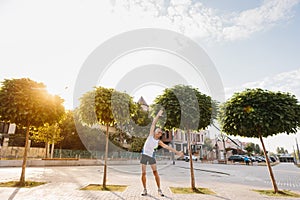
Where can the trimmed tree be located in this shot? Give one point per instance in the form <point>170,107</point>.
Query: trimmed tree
<point>49,134</point>
<point>27,103</point>
<point>107,107</point>
<point>260,113</point>
<point>186,109</point>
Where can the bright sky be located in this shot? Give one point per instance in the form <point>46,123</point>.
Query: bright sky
<point>253,43</point>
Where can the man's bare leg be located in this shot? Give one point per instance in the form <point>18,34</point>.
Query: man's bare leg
<point>155,173</point>
<point>157,179</point>
<point>144,179</point>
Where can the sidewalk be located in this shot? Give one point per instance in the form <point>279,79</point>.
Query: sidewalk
<point>64,183</point>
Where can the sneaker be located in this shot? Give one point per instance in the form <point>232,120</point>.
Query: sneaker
<point>144,192</point>
<point>160,193</point>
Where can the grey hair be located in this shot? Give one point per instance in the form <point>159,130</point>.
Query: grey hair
<point>157,130</point>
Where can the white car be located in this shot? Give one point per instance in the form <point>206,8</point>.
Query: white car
<point>187,158</point>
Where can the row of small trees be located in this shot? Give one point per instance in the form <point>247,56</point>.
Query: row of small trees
<point>251,113</point>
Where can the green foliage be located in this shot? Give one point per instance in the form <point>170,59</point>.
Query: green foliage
<point>281,150</point>
<point>123,108</point>
<point>185,108</point>
<point>71,139</point>
<point>208,144</point>
<point>26,102</point>
<point>142,117</point>
<point>47,133</point>
<point>255,112</point>
<point>67,123</point>
<point>250,148</point>
<point>137,144</point>
<point>117,138</point>
<point>106,106</point>
<point>257,149</point>
<point>141,123</point>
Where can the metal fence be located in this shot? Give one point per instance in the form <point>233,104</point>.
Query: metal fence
<point>65,153</point>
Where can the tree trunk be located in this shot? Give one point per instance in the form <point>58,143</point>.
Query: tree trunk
<point>22,178</point>
<point>60,146</point>
<point>225,154</point>
<point>191,162</point>
<point>121,136</point>
<point>52,149</point>
<point>269,165</point>
<point>46,149</point>
<point>105,158</point>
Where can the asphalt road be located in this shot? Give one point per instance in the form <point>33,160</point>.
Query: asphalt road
<point>287,175</point>
<point>230,182</point>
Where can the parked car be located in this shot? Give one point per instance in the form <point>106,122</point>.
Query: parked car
<point>259,159</point>
<point>253,159</point>
<point>273,158</point>
<point>236,158</point>
<point>187,158</point>
<point>263,159</point>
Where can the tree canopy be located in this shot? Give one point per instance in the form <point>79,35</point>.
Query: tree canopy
<point>47,133</point>
<point>24,102</point>
<point>185,108</point>
<point>106,106</point>
<point>255,112</point>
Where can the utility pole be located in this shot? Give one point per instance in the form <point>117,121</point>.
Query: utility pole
<point>173,157</point>
<point>295,156</point>
<point>298,152</point>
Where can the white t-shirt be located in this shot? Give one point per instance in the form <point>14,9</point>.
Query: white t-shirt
<point>149,146</point>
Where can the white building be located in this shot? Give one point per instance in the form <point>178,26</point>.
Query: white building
<point>197,141</point>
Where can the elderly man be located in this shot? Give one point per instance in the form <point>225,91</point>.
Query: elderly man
<point>150,145</point>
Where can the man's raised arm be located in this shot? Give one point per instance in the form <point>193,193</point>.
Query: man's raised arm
<point>152,128</point>
<point>163,145</point>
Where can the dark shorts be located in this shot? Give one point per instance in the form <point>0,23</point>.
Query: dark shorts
<point>147,159</point>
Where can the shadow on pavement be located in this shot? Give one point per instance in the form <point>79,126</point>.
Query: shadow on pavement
<point>12,196</point>
<point>153,197</point>
<point>220,197</point>
<point>118,195</point>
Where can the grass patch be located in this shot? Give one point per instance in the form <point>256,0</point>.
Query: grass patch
<point>179,190</point>
<point>281,193</point>
<point>114,188</point>
<point>28,184</point>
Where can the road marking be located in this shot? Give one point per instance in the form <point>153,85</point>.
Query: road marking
<point>284,183</point>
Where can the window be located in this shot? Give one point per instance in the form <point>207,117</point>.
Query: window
<point>4,127</point>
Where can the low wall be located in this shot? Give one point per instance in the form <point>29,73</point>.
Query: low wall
<point>18,152</point>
